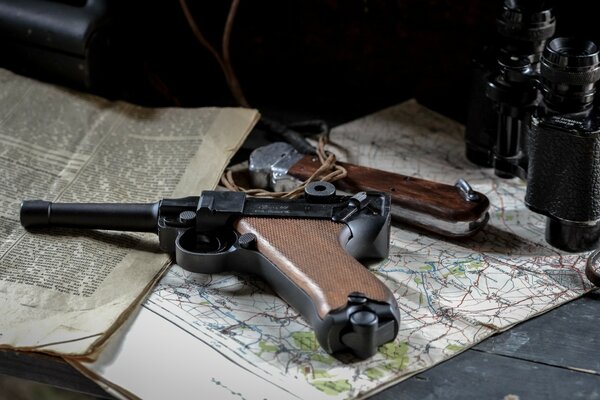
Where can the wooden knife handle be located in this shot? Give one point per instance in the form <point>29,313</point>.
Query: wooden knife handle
<point>444,202</point>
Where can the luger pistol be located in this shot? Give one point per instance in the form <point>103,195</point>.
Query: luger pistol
<point>305,249</point>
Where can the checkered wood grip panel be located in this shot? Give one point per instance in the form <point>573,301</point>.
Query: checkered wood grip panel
<point>310,254</point>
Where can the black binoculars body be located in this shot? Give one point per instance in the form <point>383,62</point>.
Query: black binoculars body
<point>532,116</point>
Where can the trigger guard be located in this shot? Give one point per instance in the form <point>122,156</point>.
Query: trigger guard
<point>195,254</point>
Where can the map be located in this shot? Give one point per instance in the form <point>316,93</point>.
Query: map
<point>452,293</point>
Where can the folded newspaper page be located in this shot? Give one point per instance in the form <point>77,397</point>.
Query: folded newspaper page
<point>63,291</point>
<point>451,293</point>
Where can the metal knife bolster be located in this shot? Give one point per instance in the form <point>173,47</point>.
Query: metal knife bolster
<point>269,166</point>
<point>452,211</point>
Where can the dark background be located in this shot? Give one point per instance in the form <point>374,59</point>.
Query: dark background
<point>332,58</point>
<point>336,59</point>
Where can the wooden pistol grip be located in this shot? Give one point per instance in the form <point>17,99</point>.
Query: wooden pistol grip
<point>439,200</point>
<point>309,253</point>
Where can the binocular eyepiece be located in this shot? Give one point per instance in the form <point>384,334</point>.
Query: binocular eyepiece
<point>538,121</point>
<point>569,70</point>
<point>525,26</point>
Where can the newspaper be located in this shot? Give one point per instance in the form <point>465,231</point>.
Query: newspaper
<point>63,291</point>
<point>452,293</point>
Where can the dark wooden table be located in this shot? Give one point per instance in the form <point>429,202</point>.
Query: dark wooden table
<point>552,356</point>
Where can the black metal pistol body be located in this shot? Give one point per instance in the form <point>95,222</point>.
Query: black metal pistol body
<point>305,249</point>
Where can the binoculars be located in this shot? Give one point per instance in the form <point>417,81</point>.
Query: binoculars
<point>532,116</point>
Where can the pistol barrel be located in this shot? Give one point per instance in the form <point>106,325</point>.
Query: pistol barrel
<point>139,217</point>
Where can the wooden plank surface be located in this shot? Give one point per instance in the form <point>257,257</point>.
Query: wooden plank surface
<point>477,375</point>
<point>566,337</point>
<point>554,355</point>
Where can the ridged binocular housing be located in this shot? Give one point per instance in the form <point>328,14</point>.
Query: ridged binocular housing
<point>564,146</point>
